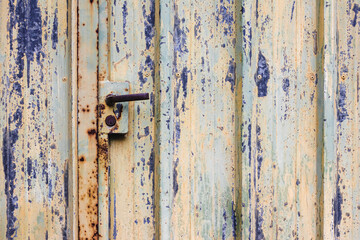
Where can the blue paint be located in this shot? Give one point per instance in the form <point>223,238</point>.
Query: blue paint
<point>17,88</point>
<point>312,97</point>
<point>249,143</point>
<point>149,24</point>
<point>146,131</point>
<point>233,218</point>
<point>54,34</point>
<point>177,133</point>
<point>148,66</point>
<point>141,78</point>
<point>338,201</point>
<point>179,37</point>
<point>243,146</point>
<point>12,22</point>
<point>147,220</point>
<point>250,41</point>
<point>114,228</point>
<point>141,179</point>
<point>292,11</point>
<point>356,10</point>
<point>29,167</point>
<point>184,81</point>
<point>341,110</point>
<point>286,85</point>
<point>230,76</point>
<point>224,226</point>
<point>10,138</point>
<point>257,11</point>
<point>50,186</point>
<point>262,76</point>
<point>250,205</point>
<point>175,174</point>
<point>259,157</point>
<point>152,101</point>
<point>17,117</point>
<point>66,197</point>
<point>197,26</point>
<point>225,16</point>
<point>151,164</point>
<point>125,13</point>
<point>259,234</point>
<point>26,19</point>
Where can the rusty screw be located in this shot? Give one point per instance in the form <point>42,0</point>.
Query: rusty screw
<point>110,120</point>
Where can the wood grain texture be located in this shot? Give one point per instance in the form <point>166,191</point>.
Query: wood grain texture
<point>87,77</point>
<point>127,54</point>
<point>197,124</point>
<point>35,120</point>
<point>251,131</point>
<point>341,120</point>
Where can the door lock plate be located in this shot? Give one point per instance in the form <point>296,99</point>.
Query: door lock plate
<point>113,119</point>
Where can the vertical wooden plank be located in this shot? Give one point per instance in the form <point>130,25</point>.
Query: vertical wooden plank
<point>103,139</point>
<point>36,142</point>
<point>74,166</point>
<point>309,114</point>
<point>330,77</point>
<point>197,94</point>
<point>165,118</point>
<point>87,118</point>
<point>341,130</point>
<point>129,29</point>
<point>3,109</point>
<point>181,22</point>
<point>258,121</point>
<point>280,117</point>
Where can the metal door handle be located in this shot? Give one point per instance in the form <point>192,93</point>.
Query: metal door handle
<point>113,113</point>
<point>111,99</point>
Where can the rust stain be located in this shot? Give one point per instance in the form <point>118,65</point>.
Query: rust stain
<point>92,132</point>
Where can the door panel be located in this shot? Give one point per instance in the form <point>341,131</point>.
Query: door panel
<point>252,121</point>
<point>251,130</point>
<point>281,117</point>
<point>198,119</point>
<point>36,169</point>
<point>87,149</point>
<point>341,121</point>
<point>127,54</point>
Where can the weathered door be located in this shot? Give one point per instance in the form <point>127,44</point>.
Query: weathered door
<point>251,130</point>
<point>37,171</point>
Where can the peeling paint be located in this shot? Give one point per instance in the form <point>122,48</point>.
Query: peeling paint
<point>175,175</point>
<point>9,140</point>
<point>342,113</point>
<point>262,75</point>
<point>356,9</point>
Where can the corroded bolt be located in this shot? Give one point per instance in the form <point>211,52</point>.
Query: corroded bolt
<point>110,120</point>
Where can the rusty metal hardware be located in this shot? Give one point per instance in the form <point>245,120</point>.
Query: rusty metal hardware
<point>110,120</point>
<point>114,98</point>
<point>111,99</point>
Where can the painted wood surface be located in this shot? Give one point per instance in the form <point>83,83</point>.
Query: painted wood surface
<point>87,80</point>
<point>127,54</point>
<point>251,132</point>
<point>36,168</point>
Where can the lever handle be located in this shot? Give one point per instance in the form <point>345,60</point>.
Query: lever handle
<point>111,99</point>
